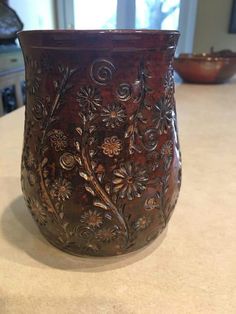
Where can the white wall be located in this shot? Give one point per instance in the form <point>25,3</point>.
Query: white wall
<point>35,14</point>
<point>212,25</point>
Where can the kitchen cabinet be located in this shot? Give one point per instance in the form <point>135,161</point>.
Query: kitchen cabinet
<point>12,79</point>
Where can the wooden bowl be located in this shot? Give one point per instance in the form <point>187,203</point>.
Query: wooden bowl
<point>206,68</point>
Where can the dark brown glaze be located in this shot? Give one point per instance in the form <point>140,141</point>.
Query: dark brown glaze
<point>205,68</point>
<point>101,166</point>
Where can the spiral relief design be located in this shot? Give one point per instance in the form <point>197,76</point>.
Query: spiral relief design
<point>101,71</point>
<point>150,139</point>
<point>67,161</point>
<point>38,109</point>
<point>86,233</point>
<point>124,92</point>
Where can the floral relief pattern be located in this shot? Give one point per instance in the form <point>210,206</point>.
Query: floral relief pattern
<point>89,98</point>
<point>105,214</point>
<point>167,149</point>
<point>152,203</point>
<point>129,181</point>
<point>92,218</point>
<point>113,115</point>
<point>107,234</point>
<point>61,189</point>
<point>37,211</point>
<point>142,223</point>
<point>167,154</point>
<point>112,146</point>
<point>163,115</point>
<point>58,140</point>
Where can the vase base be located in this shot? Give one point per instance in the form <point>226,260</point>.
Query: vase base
<point>146,249</point>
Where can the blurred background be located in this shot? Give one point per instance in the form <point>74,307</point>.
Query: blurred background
<point>203,24</point>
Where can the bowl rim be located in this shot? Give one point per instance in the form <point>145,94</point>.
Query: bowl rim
<point>203,57</point>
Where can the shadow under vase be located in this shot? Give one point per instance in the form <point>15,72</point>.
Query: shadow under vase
<point>20,230</point>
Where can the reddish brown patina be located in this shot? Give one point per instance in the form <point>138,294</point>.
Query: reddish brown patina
<point>101,162</point>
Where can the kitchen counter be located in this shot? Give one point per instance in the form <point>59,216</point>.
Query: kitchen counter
<point>191,268</point>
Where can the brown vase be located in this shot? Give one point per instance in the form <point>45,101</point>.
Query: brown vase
<point>101,165</point>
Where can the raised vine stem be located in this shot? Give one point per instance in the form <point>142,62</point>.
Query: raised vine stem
<point>133,132</point>
<point>88,174</point>
<point>61,90</point>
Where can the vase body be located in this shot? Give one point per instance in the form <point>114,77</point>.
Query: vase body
<point>101,166</point>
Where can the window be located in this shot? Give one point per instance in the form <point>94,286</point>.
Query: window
<point>156,14</point>
<point>90,14</point>
<point>125,14</point>
<point>111,14</point>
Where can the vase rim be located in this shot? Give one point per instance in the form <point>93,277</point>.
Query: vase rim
<point>109,40</point>
<point>101,31</point>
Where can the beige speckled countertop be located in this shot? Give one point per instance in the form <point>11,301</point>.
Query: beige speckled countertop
<point>193,270</point>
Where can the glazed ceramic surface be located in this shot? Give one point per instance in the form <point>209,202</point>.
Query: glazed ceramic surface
<point>101,165</point>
